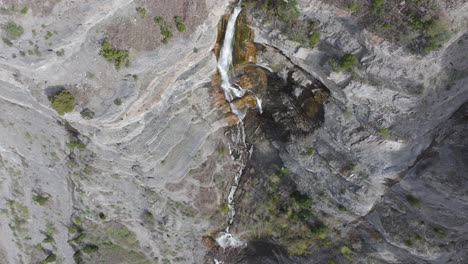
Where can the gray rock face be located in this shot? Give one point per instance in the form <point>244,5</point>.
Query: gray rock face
<point>379,126</point>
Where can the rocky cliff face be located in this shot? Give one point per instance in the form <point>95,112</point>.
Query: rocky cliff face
<point>366,165</point>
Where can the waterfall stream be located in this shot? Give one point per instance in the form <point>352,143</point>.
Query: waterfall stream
<point>240,149</point>
<point>225,238</point>
<point>225,58</point>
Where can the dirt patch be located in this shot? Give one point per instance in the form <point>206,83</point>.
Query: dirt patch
<point>139,31</point>
<point>37,7</point>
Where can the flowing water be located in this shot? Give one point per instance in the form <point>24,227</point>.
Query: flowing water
<point>225,58</point>
<point>226,239</point>
<point>240,149</point>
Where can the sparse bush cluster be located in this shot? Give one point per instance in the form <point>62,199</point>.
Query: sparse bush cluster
<point>164,28</point>
<point>285,16</point>
<point>353,6</point>
<point>40,199</point>
<point>141,11</point>
<point>420,26</point>
<point>63,102</point>
<point>179,24</point>
<point>345,63</point>
<point>378,6</point>
<point>314,39</point>
<point>13,30</point>
<point>116,56</point>
<point>76,143</point>
<point>288,217</point>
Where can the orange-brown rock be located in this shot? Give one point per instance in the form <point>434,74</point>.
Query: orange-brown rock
<point>311,108</point>
<point>244,47</point>
<point>248,101</point>
<point>251,77</point>
<point>220,37</point>
<point>217,94</point>
<point>210,242</point>
<point>231,118</point>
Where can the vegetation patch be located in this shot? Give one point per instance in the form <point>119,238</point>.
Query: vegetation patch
<point>63,102</point>
<point>48,35</point>
<point>345,63</point>
<point>7,42</point>
<point>118,101</point>
<point>50,258</point>
<point>413,200</point>
<point>418,25</point>
<point>353,6</point>
<point>286,215</point>
<point>384,132</point>
<point>314,39</point>
<point>40,199</point>
<point>76,143</point>
<point>179,23</point>
<point>13,30</point>
<point>285,16</point>
<point>87,114</point>
<point>141,11</point>
<point>116,56</point>
<point>24,10</point>
<point>164,28</point>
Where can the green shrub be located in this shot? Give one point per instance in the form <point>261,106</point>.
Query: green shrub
<point>440,231</point>
<point>89,248</point>
<point>285,11</point>
<point>40,199</point>
<point>314,38</point>
<point>409,243</point>
<point>63,102</point>
<point>353,6</point>
<point>87,114</point>
<point>48,239</point>
<point>60,52</point>
<point>166,33</point>
<point>298,247</point>
<point>378,6</point>
<point>288,11</point>
<point>300,200</point>
<point>7,42</point>
<point>413,201</point>
<point>102,216</point>
<point>50,258</point>
<point>24,11</point>
<point>48,35</point>
<point>158,20</point>
<point>436,33</point>
<point>309,151</point>
<point>116,56</point>
<point>12,30</point>
<point>346,252</point>
<point>179,23</point>
<point>384,132</point>
<point>345,63</point>
<point>118,101</point>
<point>78,220</point>
<point>141,11</point>
<point>76,144</point>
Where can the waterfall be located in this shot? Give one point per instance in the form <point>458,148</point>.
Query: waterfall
<point>225,58</point>
<point>225,238</point>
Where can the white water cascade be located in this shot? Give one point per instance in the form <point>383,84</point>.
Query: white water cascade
<point>225,58</point>
<point>231,93</point>
<point>226,239</point>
